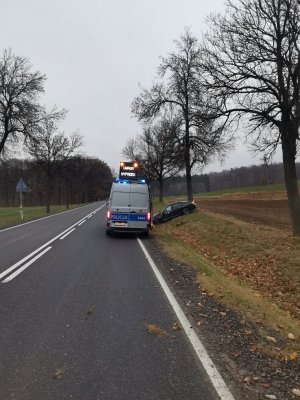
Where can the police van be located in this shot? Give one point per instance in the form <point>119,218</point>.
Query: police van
<point>129,206</point>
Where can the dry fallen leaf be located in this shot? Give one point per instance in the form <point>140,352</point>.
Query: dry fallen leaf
<point>222,313</point>
<point>90,310</point>
<point>253,348</point>
<point>210,294</point>
<point>58,374</point>
<point>291,336</point>
<point>296,392</point>
<point>155,330</point>
<point>293,356</point>
<point>282,357</point>
<point>177,327</point>
<point>271,339</point>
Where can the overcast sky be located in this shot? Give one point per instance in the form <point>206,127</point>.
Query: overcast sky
<point>95,53</point>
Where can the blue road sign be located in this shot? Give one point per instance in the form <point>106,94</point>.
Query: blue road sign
<point>21,186</point>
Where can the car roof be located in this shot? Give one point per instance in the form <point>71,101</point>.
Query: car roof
<point>176,202</point>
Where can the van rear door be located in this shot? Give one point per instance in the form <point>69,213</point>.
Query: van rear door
<point>139,207</point>
<point>120,201</point>
<point>139,202</point>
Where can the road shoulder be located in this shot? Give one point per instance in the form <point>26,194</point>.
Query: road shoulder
<point>229,338</point>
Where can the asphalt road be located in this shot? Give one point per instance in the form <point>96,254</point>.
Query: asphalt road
<point>73,321</point>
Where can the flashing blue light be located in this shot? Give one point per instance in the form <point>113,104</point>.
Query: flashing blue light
<point>126,181</point>
<point>118,180</point>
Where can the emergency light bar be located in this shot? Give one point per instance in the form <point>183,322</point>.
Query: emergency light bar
<point>118,180</point>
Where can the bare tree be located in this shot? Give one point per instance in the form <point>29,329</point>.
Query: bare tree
<point>19,91</point>
<point>132,151</point>
<point>252,60</point>
<point>51,149</point>
<point>180,88</point>
<point>157,150</point>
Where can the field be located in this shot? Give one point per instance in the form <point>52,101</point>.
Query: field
<point>242,246</point>
<point>267,208</point>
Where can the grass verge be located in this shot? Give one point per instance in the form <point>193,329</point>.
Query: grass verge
<point>253,271</point>
<point>11,215</point>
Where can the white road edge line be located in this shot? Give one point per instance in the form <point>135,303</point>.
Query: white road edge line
<point>16,273</point>
<point>211,370</point>
<point>39,219</point>
<point>68,233</point>
<point>8,270</point>
<point>82,222</point>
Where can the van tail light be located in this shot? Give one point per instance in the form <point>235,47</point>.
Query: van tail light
<point>148,216</point>
<point>107,214</point>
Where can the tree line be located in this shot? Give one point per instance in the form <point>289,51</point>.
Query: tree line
<point>234,178</point>
<point>242,77</point>
<point>55,172</point>
<point>80,180</point>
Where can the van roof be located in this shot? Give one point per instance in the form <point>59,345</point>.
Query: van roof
<point>130,187</point>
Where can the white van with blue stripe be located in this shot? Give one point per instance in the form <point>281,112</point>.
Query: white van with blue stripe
<point>129,207</point>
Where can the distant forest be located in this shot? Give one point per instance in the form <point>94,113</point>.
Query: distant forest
<point>81,180</point>
<point>234,178</point>
<point>85,180</point>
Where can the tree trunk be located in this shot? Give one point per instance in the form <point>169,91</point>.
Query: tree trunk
<point>187,160</point>
<point>67,197</point>
<point>161,189</point>
<point>5,136</point>
<point>189,187</point>
<point>48,193</point>
<point>291,184</point>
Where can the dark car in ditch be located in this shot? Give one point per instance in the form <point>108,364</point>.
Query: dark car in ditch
<point>174,210</point>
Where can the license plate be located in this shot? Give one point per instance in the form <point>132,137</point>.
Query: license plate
<point>122,224</point>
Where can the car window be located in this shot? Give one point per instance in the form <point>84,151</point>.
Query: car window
<point>168,209</point>
<point>176,206</point>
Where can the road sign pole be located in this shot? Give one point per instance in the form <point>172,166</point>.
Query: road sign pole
<point>21,207</point>
<point>21,188</point>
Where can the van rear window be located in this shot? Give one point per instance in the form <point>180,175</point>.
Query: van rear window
<point>120,199</point>
<point>138,200</point>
